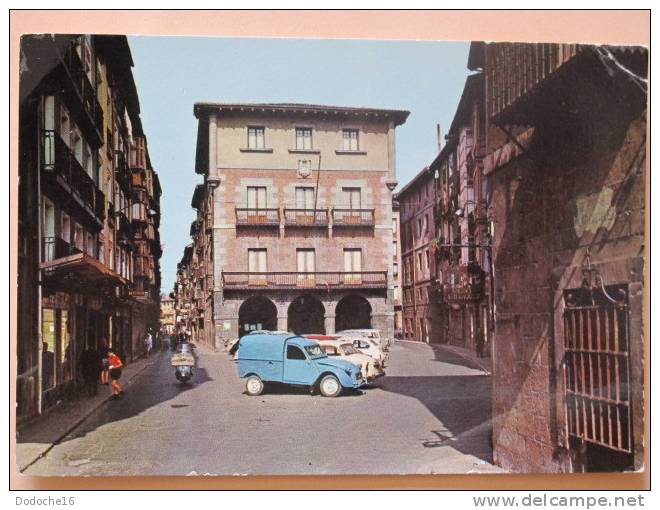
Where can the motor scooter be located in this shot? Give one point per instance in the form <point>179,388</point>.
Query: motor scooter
<point>183,362</point>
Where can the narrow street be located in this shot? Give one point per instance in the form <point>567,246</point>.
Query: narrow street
<point>435,421</point>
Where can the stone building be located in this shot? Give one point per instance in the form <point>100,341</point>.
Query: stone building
<point>396,269</point>
<point>566,166</point>
<point>463,264</point>
<point>444,232</point>
<point>416,204</point>
<point>79,136</point>
<point>167,315</point>
<point>297,200</point>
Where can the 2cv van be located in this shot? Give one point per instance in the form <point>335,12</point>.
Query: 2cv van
<point>292,359</point>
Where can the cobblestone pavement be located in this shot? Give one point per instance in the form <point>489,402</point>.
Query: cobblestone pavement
<point>430,414</point>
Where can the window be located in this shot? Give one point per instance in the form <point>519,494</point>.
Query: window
<point>65,125</point>
<point>395,269</point>
<point>256,137</point>
<point>428,260</point>
<point>48,230</point>
<point>305,266</point>
<point>394,222</point>
<point>257,263</point>
<point>66,228</point>
<point>350,140</point>
<point>90,244</point>
<point>78,237</point>
<point>352,265</point>
<point>304,198</point>
<point>256,196</point>
<point>352,199</point>
<point>304,138</point>
<point>293,352</point>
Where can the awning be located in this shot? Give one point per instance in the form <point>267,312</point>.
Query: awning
<point>81,268</point>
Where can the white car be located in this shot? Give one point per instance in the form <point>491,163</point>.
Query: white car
<point>368,346</point>
<point>334,346</point>
<point>367,334</point>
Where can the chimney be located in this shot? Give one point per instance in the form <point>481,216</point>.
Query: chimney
<point>439,136</point>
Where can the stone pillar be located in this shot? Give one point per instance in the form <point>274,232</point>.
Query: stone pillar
<point>329,324</point>
<point>282,321</point>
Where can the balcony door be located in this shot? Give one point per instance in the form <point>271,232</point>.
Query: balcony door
<point>256,203</point>
<point>352,199</point>
<point>48,230</point>
<point>257,266</point>
<point>305,205</point>
<point>306,266</point>
<point>352,266</point>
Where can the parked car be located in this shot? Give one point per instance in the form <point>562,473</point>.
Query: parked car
<point>368,346</point>
<point>368,334</point>
<point>295,360</point>
<point>335,346</point>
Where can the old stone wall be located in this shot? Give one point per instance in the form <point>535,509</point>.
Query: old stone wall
<point>568,196</point>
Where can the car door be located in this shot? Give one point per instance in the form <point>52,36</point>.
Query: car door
<point>298,369</point>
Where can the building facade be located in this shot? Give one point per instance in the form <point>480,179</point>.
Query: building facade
<point>295,218</point>
<point>396,271</point>
<point>167,315</point>
<point>567,174</point>
<point>445,237</point>
<point>79,132</point>
<point>416,201</point>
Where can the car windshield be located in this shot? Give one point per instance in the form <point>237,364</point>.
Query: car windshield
<point>349,349</point>
<point>315,351</point>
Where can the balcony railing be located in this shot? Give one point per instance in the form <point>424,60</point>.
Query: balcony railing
<point>257,217</point>
<point>306,217</point>
<point>353,217</point>
<point>59,161</point>
<point>57,248</point>
<point>324,281</point>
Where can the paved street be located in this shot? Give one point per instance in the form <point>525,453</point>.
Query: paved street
<point>435,421</point>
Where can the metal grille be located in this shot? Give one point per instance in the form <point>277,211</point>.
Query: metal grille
<point>597,368</point>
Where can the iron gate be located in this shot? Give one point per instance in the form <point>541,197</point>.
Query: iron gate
<point>597,367</point>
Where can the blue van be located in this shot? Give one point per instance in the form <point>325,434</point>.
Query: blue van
<point>292,359</point>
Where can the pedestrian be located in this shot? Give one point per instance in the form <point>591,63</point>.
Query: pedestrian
<point>148,342</point>
<point>115,373</point>
<point>91,367</point>
<point>104,351</point>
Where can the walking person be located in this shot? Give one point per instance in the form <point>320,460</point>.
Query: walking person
<point>104,351</point>
<point>148,343</point>
<point>90,368</point>
<point>115,373</point>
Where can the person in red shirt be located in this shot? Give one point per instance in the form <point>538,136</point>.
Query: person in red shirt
<point>115,365</point>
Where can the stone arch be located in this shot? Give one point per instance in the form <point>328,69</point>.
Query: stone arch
<point>353,312</point>
<point>256,312</point>
<point>306,315</point>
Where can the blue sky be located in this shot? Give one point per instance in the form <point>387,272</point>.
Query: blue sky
<point>172,73</point>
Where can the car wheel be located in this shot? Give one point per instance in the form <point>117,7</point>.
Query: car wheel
<point>254,386</point>
<point>330,386</point>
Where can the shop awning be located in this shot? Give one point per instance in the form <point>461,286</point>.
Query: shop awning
<point>83,268</point>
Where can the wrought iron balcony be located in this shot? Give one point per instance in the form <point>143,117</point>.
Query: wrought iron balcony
<point>353,217</point>
<point>85,91</point>
<point>57,248</point>
<point>58,161</point>
<point>306,217</point>
<point>253,217</point>
<point>322,281</point>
